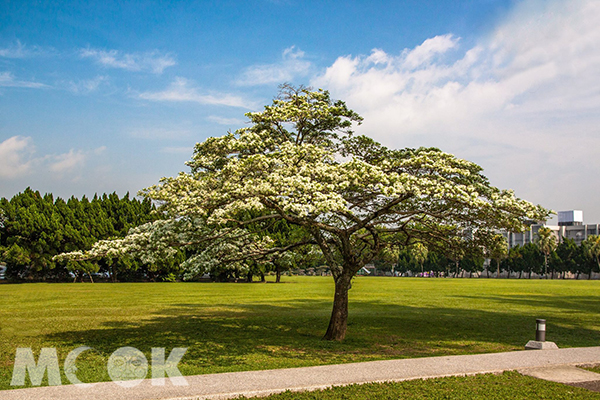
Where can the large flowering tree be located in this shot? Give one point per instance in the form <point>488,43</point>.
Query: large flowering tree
<point>352,197</point>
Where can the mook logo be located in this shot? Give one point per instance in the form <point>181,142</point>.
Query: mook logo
<point>127,367</point>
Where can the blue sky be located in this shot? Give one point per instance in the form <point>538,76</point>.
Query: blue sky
<point>102,96</point>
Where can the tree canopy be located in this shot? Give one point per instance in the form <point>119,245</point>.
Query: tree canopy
<point>300,162</point>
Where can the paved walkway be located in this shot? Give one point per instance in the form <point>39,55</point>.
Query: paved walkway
<point>255,383</point>
<point>567,374</point>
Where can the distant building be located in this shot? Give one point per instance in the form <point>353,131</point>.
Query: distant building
<point>570,218</point>
<point>570,226</point>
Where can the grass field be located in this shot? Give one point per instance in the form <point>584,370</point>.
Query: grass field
<point>235,327</point>
<point>509,385</point>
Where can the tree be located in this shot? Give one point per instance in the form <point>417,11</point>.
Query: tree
<point>35,228</point>
<point>546,242</point>
<point>498,250</point>
<point>300,162</point>
<point>419,253</point>
<point>591,247</point>
<point>567,252</point>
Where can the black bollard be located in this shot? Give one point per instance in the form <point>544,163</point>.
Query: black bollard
<point>540,330</point>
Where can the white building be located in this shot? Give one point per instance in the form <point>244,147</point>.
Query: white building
<point>570,226</point>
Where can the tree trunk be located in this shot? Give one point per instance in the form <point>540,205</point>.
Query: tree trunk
<point>520,274</point>
<point>262,277</point>
<point>497,269</point>
<point>249,277</point>
<point>91,279</point>
<point>277,275</point>
<point>113,274</point>
<point>339,315</point>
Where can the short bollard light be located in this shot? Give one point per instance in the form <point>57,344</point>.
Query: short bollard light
<point>540,330</point>
<point>540,338</point>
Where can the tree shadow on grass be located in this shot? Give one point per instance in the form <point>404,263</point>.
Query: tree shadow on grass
<point>261,336</point>
<point>579,304</point>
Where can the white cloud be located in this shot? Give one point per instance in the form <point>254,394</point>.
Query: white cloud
<point>523,102</point>
<point>225,121</point>
<point>19,50</point>
<point>182,90</point>
<point>154,61</point>
<point>99,150</point>
<point>8,80</point>
<point>424,53</point>
<point>292,65</point>
<point>68,161</point>
<point>15,157</point>
<point>85,86</point>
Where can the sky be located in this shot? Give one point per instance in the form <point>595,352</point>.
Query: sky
<point>101,96</point>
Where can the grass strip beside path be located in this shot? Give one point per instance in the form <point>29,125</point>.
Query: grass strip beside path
<point>509,385</point>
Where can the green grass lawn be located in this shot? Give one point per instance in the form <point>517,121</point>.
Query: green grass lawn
<point>236,327</point>
<point>509,385</point>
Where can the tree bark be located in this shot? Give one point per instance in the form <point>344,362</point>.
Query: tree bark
<point>277,275</point>
<point>113,275</point>
<point>339,315</point>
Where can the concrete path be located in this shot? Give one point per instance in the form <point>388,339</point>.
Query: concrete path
<point>567,374</point>
<point>261,383</point>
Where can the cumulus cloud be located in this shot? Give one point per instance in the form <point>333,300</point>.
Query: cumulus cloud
<point>154,61</point>
<point>291,65</point>
<point>18,158</point>
<point>8,80</point>
<point>15,157</point>
<point>523,101</point>
<point>182,90</point>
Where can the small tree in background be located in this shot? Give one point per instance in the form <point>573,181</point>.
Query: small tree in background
<point>497,251</point>
<point>591,247</point>
<point>546,242</point>
<point>419,253</point>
